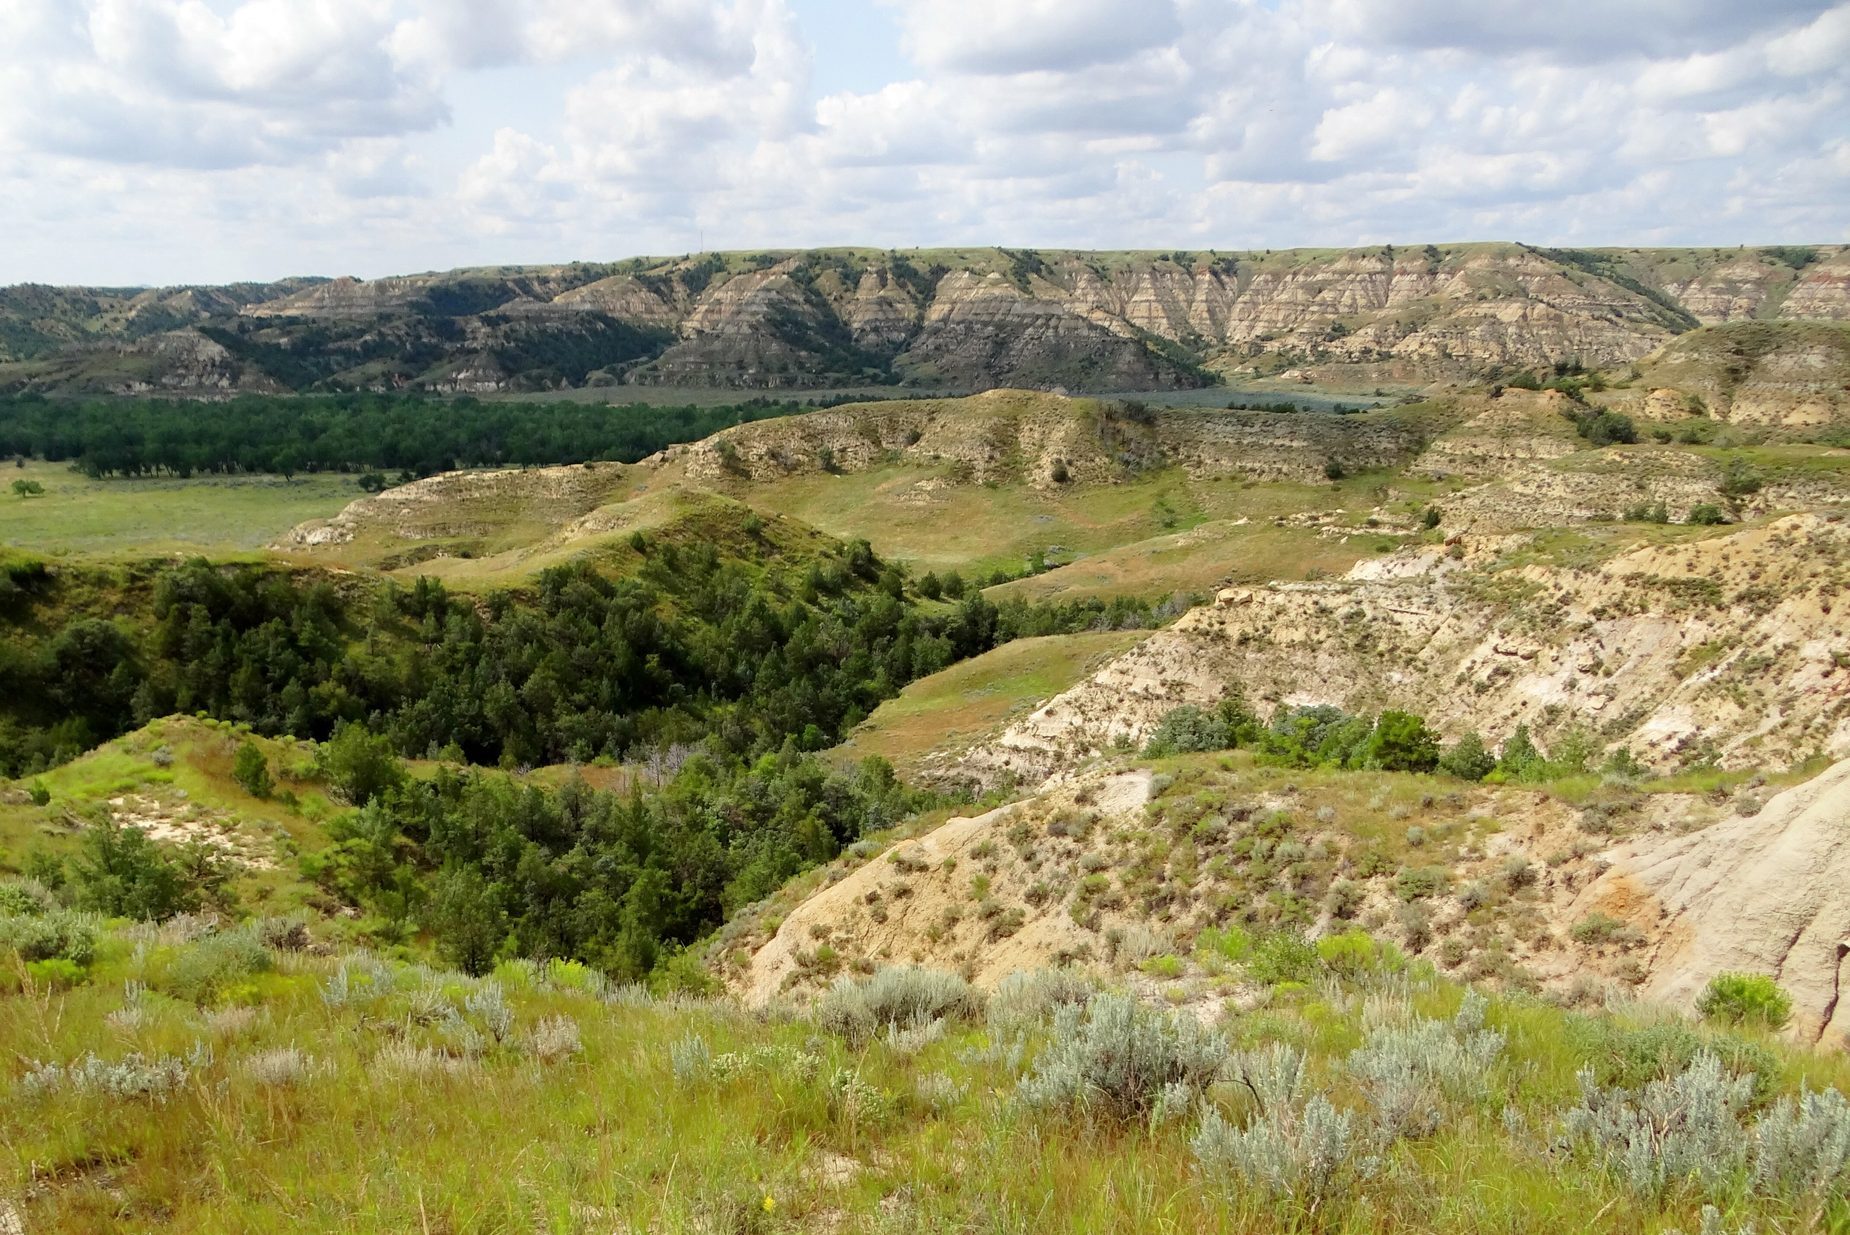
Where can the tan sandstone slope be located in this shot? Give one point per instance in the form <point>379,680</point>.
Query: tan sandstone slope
<point>1767,893</point>
<point>1729,645</point>
<point>1114,866</point>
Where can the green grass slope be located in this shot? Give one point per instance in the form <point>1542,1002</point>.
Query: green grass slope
<point>213,1082</point>
<point>974,698</point>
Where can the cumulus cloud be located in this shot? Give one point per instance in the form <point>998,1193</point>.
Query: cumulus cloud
<point>981,36</point>
<point>410,133</point>
<point>177,83</point>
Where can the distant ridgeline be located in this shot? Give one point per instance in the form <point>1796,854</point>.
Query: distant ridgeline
<point>965,318</point>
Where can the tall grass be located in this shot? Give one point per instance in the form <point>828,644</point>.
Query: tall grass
<point>354,1092</point>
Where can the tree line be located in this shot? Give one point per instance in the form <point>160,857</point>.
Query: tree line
<point>407,434</point>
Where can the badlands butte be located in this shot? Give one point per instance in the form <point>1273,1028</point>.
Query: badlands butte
<point>958,319</point>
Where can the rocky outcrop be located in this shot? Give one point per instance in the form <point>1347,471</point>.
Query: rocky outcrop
<point>1724,648</point>
<point>1048,441</point>
<point>1822,291</point>
<point>1764,893</point>
<point>981,329</point>
<point>1793,375</point>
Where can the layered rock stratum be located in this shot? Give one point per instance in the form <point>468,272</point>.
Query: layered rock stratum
<point>964,319</point>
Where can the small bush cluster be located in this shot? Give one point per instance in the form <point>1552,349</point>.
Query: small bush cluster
<point>25,898</point>
<point>284,1066</point>
<point>1293,1149</point>
<point>1686,1128</point>
<point>133,1076</point>
<point>1117,1060</point>
<point>901,997</point>
<point>1745,999</point>
<point>1408,1071</point>
<point>1032,996</point>
<point>1802,1146</point>
<point>1314,1156</point>
<point>57,935</point>
<point>205,970</point>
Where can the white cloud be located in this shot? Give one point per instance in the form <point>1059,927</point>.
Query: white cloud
<point>985,36</point>
<point>1359,132</point>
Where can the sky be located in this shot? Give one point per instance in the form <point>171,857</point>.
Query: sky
<point>196,141</point>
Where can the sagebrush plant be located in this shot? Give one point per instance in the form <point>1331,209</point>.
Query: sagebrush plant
<point>1116,1059</point>
<point>1029,997</point>
<point>860,1008</point>
<point>1802,1145</point>
<point>1684,1130</point>
<point>1273,1076</point>
<point>1409,1070</point>
<point>1314,1156</point>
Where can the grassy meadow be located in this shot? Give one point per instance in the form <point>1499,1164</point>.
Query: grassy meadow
<point>212,515</point>
<point>956,706</point>
<point>907,514</point>
<point>248,1081</point>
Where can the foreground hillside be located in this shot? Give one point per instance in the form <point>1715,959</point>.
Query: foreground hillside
<point>1168,1065</point>
<point>959,318</point>
<point>1586,887</point>
<point>196,1078</point>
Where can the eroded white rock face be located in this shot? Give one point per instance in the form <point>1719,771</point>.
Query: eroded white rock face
<point>1766,894</point>
<point>1726,643</point>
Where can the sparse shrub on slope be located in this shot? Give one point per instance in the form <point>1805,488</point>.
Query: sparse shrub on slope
<point>1186,730</point>
<point>204,970</point>
<point>1031,996</point>
<point>903,998</point>
<point>1605,428</point>
<point>252,771</point>
<point>1117,1060</point>
<point>1745,999</point>
<point>125,874</point>
<point>1685,1130</point>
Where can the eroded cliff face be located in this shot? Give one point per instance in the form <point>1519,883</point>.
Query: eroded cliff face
<point>987,317</point>
<point>1787,374</point>
<point>1022,436</point>
<point>1724,646</point>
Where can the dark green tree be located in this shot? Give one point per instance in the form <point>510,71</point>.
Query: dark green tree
<point>120,871</point>
<point>251,770</point>
<point>1401,742</point>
